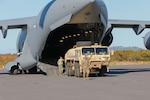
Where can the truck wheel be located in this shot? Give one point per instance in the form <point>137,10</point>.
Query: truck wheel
<point>79,73</point>
<point>103,70</point>
<point>67,69</point>
<point>77,70</point>
<point>71,72</point>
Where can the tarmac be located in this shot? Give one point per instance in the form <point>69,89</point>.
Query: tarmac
<point>121,83</point>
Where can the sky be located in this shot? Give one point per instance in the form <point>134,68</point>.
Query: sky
<point>117,9</point>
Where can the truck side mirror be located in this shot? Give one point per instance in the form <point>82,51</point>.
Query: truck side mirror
<point>111,52</point>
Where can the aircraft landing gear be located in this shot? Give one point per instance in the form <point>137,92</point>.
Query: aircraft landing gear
<point>14,70</point>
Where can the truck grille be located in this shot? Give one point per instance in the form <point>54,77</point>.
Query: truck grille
<point>95,64</point>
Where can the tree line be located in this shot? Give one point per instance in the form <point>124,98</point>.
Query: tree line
<point>131,55</point>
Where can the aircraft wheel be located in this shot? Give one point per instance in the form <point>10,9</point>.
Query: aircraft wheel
<point>14,70</point>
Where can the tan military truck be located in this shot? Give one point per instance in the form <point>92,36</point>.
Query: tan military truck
<point>99,62</point>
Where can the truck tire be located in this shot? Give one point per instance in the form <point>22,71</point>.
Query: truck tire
<point>71,72</point>
<point>83,43</point>
<point>103,70</point>
<point>67,68</point>
<point>77,70</point>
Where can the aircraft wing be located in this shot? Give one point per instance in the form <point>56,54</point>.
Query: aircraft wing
<point>137,26</point>
<point>14,23</point>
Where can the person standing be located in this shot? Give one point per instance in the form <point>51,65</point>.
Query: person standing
<point>86,67</point>
<point>60,65</point>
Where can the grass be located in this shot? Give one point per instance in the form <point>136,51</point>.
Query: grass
<point>5,58</point>
<point>117,63</point>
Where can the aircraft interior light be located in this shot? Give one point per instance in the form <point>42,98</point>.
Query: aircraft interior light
<point>61,41</point>
<point>78,34</point>
<point>86,32</point>
<point>90,31</point>
<point>74,35</point>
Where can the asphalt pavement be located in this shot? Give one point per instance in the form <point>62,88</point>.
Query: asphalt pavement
<point>121,83</point>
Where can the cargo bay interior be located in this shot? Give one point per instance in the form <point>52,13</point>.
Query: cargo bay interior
<point>66,36</point>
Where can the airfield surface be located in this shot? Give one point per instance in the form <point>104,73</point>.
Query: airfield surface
<point>121,83</point>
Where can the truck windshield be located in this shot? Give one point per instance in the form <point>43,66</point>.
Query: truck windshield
<point>101,51</point>
<point>87,51</point>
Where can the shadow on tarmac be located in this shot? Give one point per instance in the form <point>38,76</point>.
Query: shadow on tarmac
<point>119,71</point>
<point>2,72</point>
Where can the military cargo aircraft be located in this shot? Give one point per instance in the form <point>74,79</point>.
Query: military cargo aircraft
<point>58,26</point>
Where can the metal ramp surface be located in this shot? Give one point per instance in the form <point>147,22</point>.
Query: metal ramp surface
<point>48,69</point>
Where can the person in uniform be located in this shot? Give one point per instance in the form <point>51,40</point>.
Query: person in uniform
<point>86,67</point>
<point>60,65</point>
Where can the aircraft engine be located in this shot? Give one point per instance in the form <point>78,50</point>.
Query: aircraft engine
<point>107,40</point>
<point>20,40</point>
<point>147,40</point>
